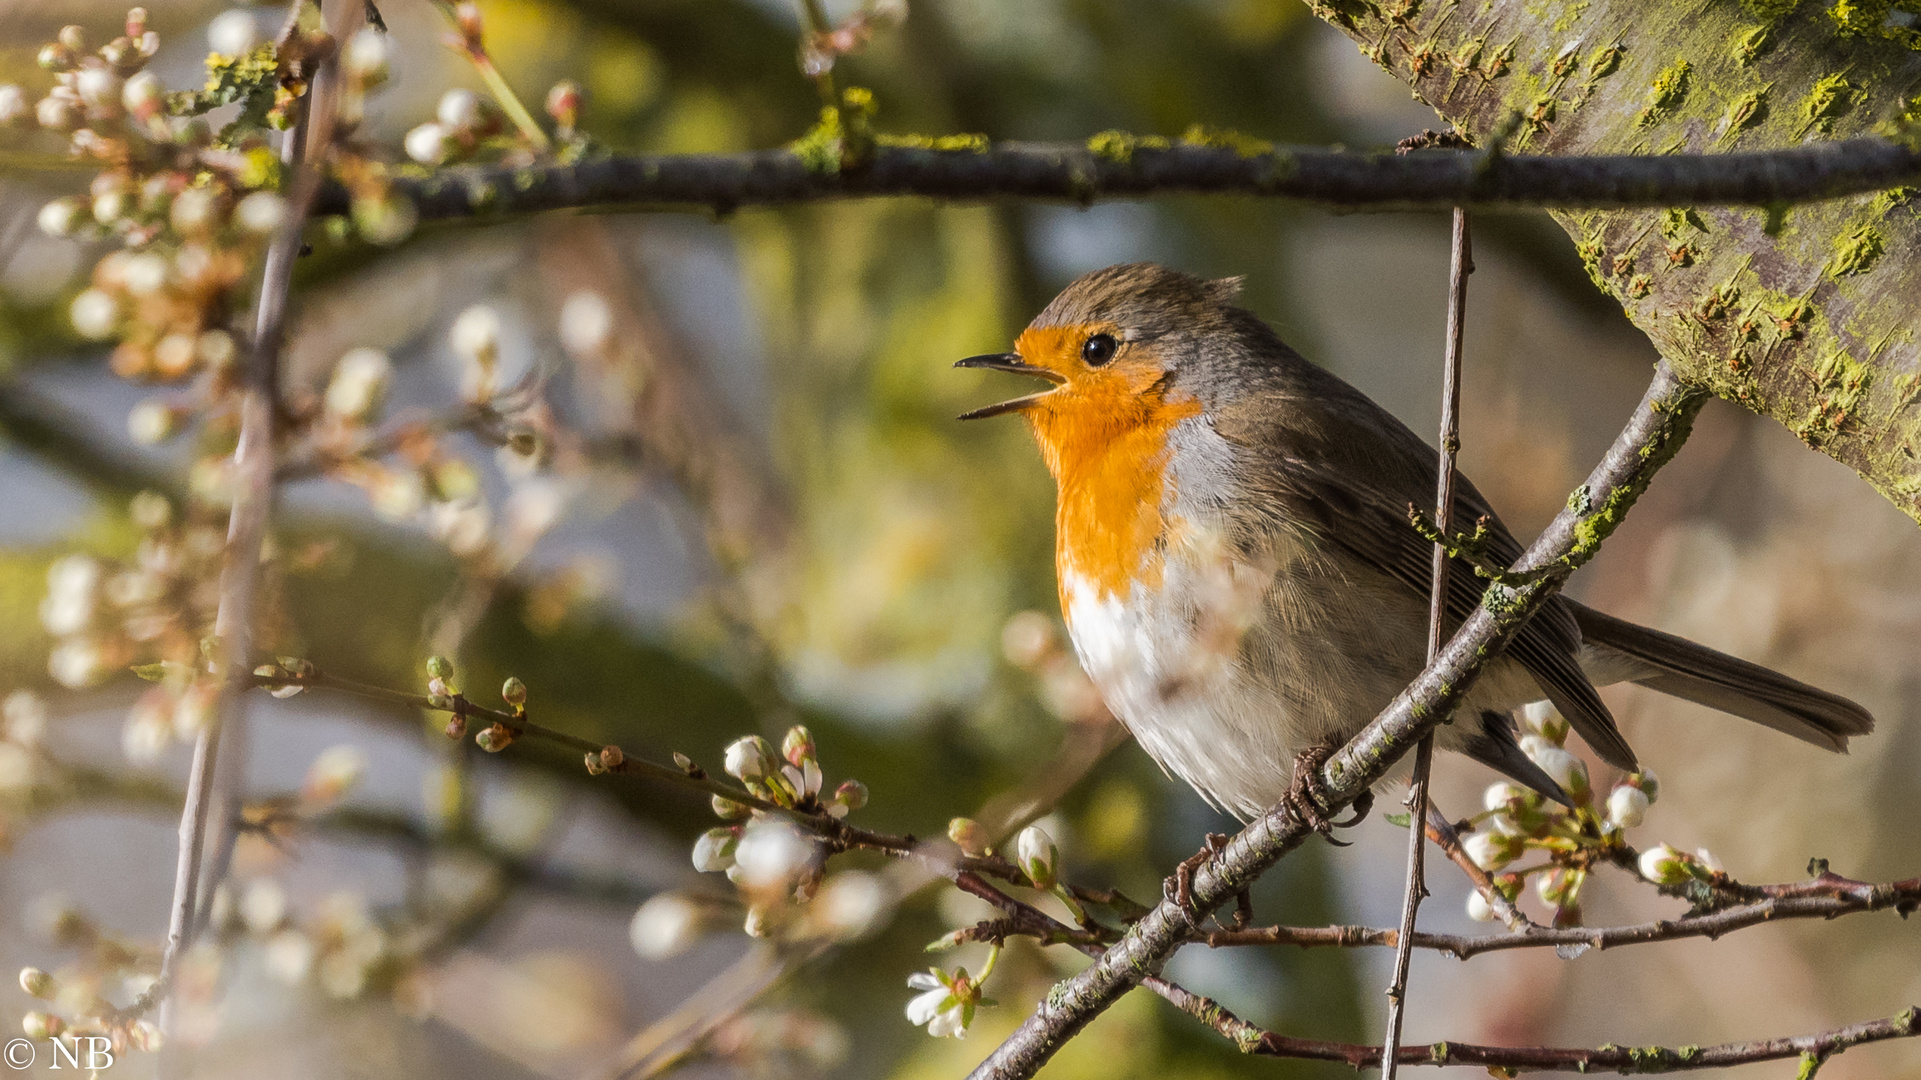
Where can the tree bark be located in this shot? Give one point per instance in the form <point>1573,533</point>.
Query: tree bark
<point>1806,314</point>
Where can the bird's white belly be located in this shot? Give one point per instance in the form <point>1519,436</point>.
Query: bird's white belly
<point>1223,680</point>
<point>1187,700</point>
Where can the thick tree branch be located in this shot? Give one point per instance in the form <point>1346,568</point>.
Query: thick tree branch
<point>1655,432</point>
<point>1124,167</point>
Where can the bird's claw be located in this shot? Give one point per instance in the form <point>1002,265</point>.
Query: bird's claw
<point>1180,887</point>
<point>1308,801</point>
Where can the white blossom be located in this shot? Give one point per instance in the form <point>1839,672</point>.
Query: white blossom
<point>664,926</point>
<point>233,32</point>
<point>1627,806</point>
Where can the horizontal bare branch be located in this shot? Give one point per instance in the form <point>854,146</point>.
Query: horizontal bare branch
<point>1126,168</point>
<point>1810,900</point>
<point>1627,1060</point>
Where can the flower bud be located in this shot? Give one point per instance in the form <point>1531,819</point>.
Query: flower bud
<point>42,1025</point>
<point>456,724</point>
<point>494,739</point>
<point>1565,769</point>
<point>586,322</point>
<point>1500,796</point>
<point>95,314</point>
<point>1664,865</point>
<point>1478,908</point>
<point>57,113</point>
<point>850,795</point>
<point>335,773</point>
<point>13,104</point>
<point>143,274</point>
<point>136,23</point>
<point>459,109</point>
<point>1706,860</point>
<point>1036,855</point>
<point>467,21</point>
<point>727,809</point>
<point>771,854</point>
<point>594,767</point>
<point>968,835</point>
<point>563,104</point>
<point>750,759</point>
<point>759,919</point>
<point>359,382</point>
<point>1027,639</point>
<point>513,691</point>
<point>195,211</point>
<point>1491,850</point>
<point>55,57</point>
<point>72,38</point>
<point>99,88</point>
<point>665,926</point>
<point>714,851</point>
<point>851,905</point>
<point>1649,783</point>
<point>798,746</point>
<point>260,213</point>
<point>1542,718</point>
<point>427,144</point>
<point>475,334</point>
<point>439,667</point>
<point>153,422</point>
<point>36,982</point>
<point>366,56</point>
<point>233,32</point>
<point>60,217</point>
<point>143,96</point>
<point>1627,806</point>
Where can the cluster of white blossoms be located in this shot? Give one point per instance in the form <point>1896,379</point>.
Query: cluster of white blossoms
<point>948,999</point>
<point>1516,822</point>
<point>777,868</point>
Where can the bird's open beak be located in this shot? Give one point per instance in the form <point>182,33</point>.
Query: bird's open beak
<point>1008,362</point>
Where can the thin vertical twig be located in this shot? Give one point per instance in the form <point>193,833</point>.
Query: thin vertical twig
<point>818,26</point>
<point>247,520</point>
<point>1461,266</point>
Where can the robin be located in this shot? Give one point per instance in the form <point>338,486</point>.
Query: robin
<point>1240,577</point>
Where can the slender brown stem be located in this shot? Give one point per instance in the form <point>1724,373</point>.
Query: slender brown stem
<point>1441,831</point>
<point>1807,902</point>
<point>1461,265</point>
<point>252,505</point>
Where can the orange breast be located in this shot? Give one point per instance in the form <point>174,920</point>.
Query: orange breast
<point>1106,442</point>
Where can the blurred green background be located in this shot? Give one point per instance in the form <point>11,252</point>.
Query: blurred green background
<point>813,536</point>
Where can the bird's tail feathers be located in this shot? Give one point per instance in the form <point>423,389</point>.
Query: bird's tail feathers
<point>1677,666</point>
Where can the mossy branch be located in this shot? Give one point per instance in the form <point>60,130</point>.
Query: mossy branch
<point>826,165</point>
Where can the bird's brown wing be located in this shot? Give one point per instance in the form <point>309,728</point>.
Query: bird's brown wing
<point>1335,462</point>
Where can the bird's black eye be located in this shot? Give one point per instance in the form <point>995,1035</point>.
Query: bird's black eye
<point>1099,349</point>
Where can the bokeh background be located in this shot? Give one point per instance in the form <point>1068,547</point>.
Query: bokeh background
<point>809,535</point>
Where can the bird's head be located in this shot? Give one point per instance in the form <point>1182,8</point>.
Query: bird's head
<point>1121,347</point>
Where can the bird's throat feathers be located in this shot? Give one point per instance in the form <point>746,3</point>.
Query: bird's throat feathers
<point>1105,437</point>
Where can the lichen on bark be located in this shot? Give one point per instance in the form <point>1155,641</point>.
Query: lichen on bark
<point>1807,314</point>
